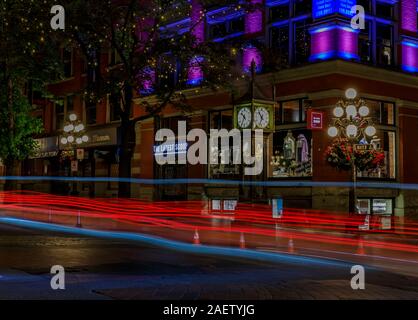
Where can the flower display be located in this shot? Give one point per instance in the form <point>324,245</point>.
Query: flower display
<point>342,156</point>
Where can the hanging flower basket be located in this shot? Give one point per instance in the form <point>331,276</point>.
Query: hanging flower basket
<point>341,155</point>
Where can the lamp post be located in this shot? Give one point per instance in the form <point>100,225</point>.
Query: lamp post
<point>351,121</point>
<point>72,138</point>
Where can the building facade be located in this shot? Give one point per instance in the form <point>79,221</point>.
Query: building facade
<point>316,55</point>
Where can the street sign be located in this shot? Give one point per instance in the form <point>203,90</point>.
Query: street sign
<point>363,147</point>
<point>74,165</point>
<point>80,154</point>
<point>315,119</point>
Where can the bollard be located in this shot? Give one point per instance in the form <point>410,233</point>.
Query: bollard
<point>242,241</point>
<point>196,238</point>
<point>78,225</point>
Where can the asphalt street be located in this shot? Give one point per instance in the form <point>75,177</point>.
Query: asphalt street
<point>118,269</point>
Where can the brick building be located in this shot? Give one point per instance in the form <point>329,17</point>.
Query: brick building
<point>320,56</point>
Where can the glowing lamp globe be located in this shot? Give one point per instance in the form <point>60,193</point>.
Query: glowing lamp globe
<point>350,93</point>
<point>351,110</point>
<point>363,111</point>
<point>64,140</point>
<point>338,112</point>
<point>332,132</point>
<point>78,141</point>
<point>370,131</point>
<point>72,117</point>
<point>85,138</point>
<point>351,131</point>
<point>70,139</point>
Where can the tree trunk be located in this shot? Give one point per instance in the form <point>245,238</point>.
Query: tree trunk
<point>125,148</point>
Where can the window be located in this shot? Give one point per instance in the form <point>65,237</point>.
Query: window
<point>381,112</point>
<point>114,106</point>
<point>114,57</point>
<point>223,120</point>
<point>384,44</point>
<point>220,30</point>
<point>280,12</point>
<point>382,206</point>
<point>302,7</point>
<point>366,4</point>
<point>384,10</point>
<point>168,71</point>
<point>90,112</point>
<point>365,43</point>
<point>302,42</point>
<point>291,154</point>
<point>67,60</point>
<point>292,111</point>
<point>280,42</point>
<point>59,114</point>
<point>70,104</point>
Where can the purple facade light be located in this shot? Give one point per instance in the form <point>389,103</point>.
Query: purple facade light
<point>333,41</point>
<point>197,25</point>
<point>254,18</point>
<point>409,48</point>
<point>251,53</point>
<point>408,19</point>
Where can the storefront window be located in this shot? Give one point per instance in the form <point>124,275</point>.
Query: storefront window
<point>292,111</point>
<point>383,206</point>
<point>223,120</point>
<point>381,112</point>
<point>384,141</point>
<point>291,154</point>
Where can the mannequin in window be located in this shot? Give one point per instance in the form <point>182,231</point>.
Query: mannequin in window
<point>375,142</point>
<point>302,150</point>
<point>289,146</point>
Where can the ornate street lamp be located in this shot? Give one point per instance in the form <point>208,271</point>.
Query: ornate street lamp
<point>351,121</point>
<point>73,137</point>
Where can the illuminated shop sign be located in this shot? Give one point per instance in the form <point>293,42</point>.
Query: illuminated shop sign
<point>315,120</point>
<point>172,148</point>
<point>326,7</point>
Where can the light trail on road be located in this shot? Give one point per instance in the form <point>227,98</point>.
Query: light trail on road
<point>248,226</point>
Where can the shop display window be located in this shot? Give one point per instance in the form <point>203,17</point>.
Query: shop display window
<point>223,120</point>
<point>291,154</point>
<point>385,142</point>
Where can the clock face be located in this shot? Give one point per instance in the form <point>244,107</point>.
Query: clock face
<point>244,117</point>
<point>261,117</point>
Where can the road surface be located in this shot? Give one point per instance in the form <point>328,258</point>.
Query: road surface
<point>119,269</point>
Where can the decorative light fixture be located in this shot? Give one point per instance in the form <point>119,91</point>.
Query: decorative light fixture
<point>332,132</point>
<point>370,131</point>
<point>363,111</point>
<point>351,119</point>
<point>350,93</point>
<point>338,112</point>
<point>351,131</point>
<point>351,110</point>
<point>74,132</point>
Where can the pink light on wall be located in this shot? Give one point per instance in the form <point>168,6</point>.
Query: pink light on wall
<point>408,19</point>
<point>197,21</point>
<point>251,53</point>
<point>197,25</point>
<point>409,56</point>
<point>254,18</point>
<point>347,42</point>
<point>333,41</point>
